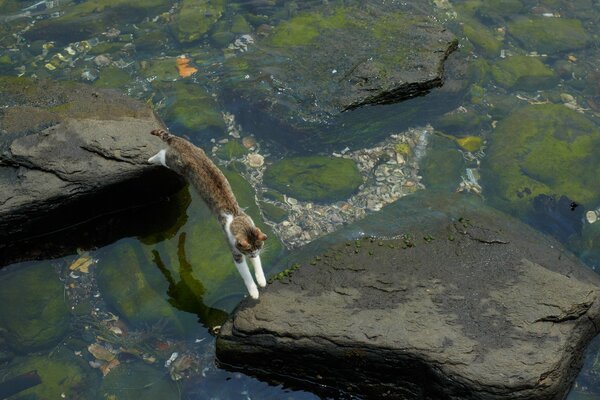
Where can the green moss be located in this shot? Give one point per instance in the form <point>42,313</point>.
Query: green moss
<point>286,273</point>
<point>498,9</point>
<point>129,283</point>
<point>230,150</point>
<point>240,25</point>
<point>63,375</point>
<point>482,38</point>
<point>544,149</point>
<point>315,178</point>
<point>549,35</point>
<point>196,17</point>
<point>106,48</point>
<point>274,195</point>
<point>113,78</point>
<point>272,212</point>
<point>138,381</point>
<point>402,148</point>
<point>194,108</point>
<point>39,319</point>
<point>523,72</point>
<point>5,60</point>
<point>301,30</point>
<point>164,69</point>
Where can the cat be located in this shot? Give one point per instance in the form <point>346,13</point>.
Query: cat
<point>245,239</point>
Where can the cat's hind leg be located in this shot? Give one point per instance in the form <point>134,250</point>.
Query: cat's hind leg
<point>258,271</point>
<point>242,267</point>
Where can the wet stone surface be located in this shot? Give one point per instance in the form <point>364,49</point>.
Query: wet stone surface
<point>464,303</point>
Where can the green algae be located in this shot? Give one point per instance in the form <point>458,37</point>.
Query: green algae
<point>195,109</point>
<point>137,381</point>
<point>195,18</point>
<point>112,78</point>
<point>543,149</point>
<point>240,25</point>
<point>314,178</point>
<point>272,212</point>
<point>38,319</point>
<point>303,29</point>
<point>499,9</point>
<point>163,69</point>
<point>549,35</point>
<point>63,375</point>
<point>482,38</point>
<point>443,165</point>
<point>231,150</point>
<point>523,72</point>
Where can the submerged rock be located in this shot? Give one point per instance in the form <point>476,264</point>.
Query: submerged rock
<point>468,303</point>
<point>328,59</point>
<point>315,178</point>
<point>543,149</point>
<point>39,319</point>
<point>137,381</point>
<point>549,35</point>
<point>523,72</point>
<point>69,153</point>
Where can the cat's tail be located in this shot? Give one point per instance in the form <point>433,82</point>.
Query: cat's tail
<point>161,133</point>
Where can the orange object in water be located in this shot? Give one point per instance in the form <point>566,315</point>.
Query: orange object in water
<point>184,68</point>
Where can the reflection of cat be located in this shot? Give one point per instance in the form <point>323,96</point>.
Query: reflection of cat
<point>244,238</point>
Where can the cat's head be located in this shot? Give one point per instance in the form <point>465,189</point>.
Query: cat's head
<point>249,239</point>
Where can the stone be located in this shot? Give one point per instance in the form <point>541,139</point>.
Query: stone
<point>549,35</point>
<point>523,72</point>
<point>468,303</point>
<point>340,68</point>
<point>35,321</point>
<point>71,152</point>
<point>314,178</point>
<point>195,18</point>
<point>137,381</point>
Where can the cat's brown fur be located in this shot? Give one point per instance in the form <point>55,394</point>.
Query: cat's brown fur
<point>192,163</point>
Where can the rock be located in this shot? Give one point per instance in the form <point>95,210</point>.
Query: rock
<point>38,320</point>
<point>314,178</point>
<point>549,35</point>
<point>255,160</point>
<point>137,381</point>
<point>194,109</point>
<point>195,18</point>
<point>71,152</point>
<point>543,149</point>
<point>468,304</point>
<point>526,73</point>
<point>323,61</point>
<point>482,38</point>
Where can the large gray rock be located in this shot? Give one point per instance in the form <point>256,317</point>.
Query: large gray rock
<point>69,153</point>
<point>471,305</point>
<point>328,58</point>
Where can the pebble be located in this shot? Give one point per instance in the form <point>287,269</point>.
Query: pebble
<point>255,160</point>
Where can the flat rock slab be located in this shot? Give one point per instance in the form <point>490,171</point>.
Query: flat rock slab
<point>469,304</point>
<point>329,58</point>
<point>61,144</point>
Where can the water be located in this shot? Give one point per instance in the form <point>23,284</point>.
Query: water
<point>160,281</point>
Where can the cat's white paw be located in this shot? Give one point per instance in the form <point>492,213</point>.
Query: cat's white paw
<point>260,279</point>
<point>253,291</point>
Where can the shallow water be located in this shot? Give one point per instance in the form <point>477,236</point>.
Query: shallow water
<point>158,289</point>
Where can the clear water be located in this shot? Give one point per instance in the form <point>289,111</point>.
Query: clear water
<point>165,287</point>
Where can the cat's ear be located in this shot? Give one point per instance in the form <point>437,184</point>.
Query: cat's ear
<point>260,235</point>
<point>243,243</point>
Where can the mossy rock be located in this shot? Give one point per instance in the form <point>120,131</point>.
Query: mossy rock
<point>138,381</point>
<point>549,35</point>
<point>195,18</point>
<point>134,288</point>
<point>482,38</point>
<point>163,69</point>
<point>523,72</point>
<point>499,9</point>
<point>63,375</point>
<point>443,165</point>
<point>38,315</point>
<point>272,212</point>
<point>106,48</point>
<point>239,25</point>
<point>113,78</point>
<point>90,18</point>
<point>461,123</point>
<point>195,109</point>
<point>543,149</point>
<point>315,178</point>
<point>230,150</point>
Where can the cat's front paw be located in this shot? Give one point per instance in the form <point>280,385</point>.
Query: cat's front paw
<point>253,291</point>
<point>260,279</point>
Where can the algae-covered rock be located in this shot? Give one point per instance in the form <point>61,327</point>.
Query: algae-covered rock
<point>62,375</point>
<point>163,69</point>
<point>523,72</point>
<point>137,381</point>
<point>34,312</point>
<point>130,284</point>
<point>329,58</point>
<point>230,150</point>
<point>195,18</point>
<point>544,149</point>
<point>272,212</point>
<point>549,35</point>
<point>498,9</point>
<point>113,78</point>
<point>314,178</point>
<point>482,38</point>
<point>82,20</point>
<point>443,165</point>
<point>195,109</point>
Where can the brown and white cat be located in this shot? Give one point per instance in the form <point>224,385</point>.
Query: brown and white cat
<point>244,238</point>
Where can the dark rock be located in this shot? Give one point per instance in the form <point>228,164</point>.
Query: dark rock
<point>468,304</point>
<point>69,153</point>
<point>328,59</point>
